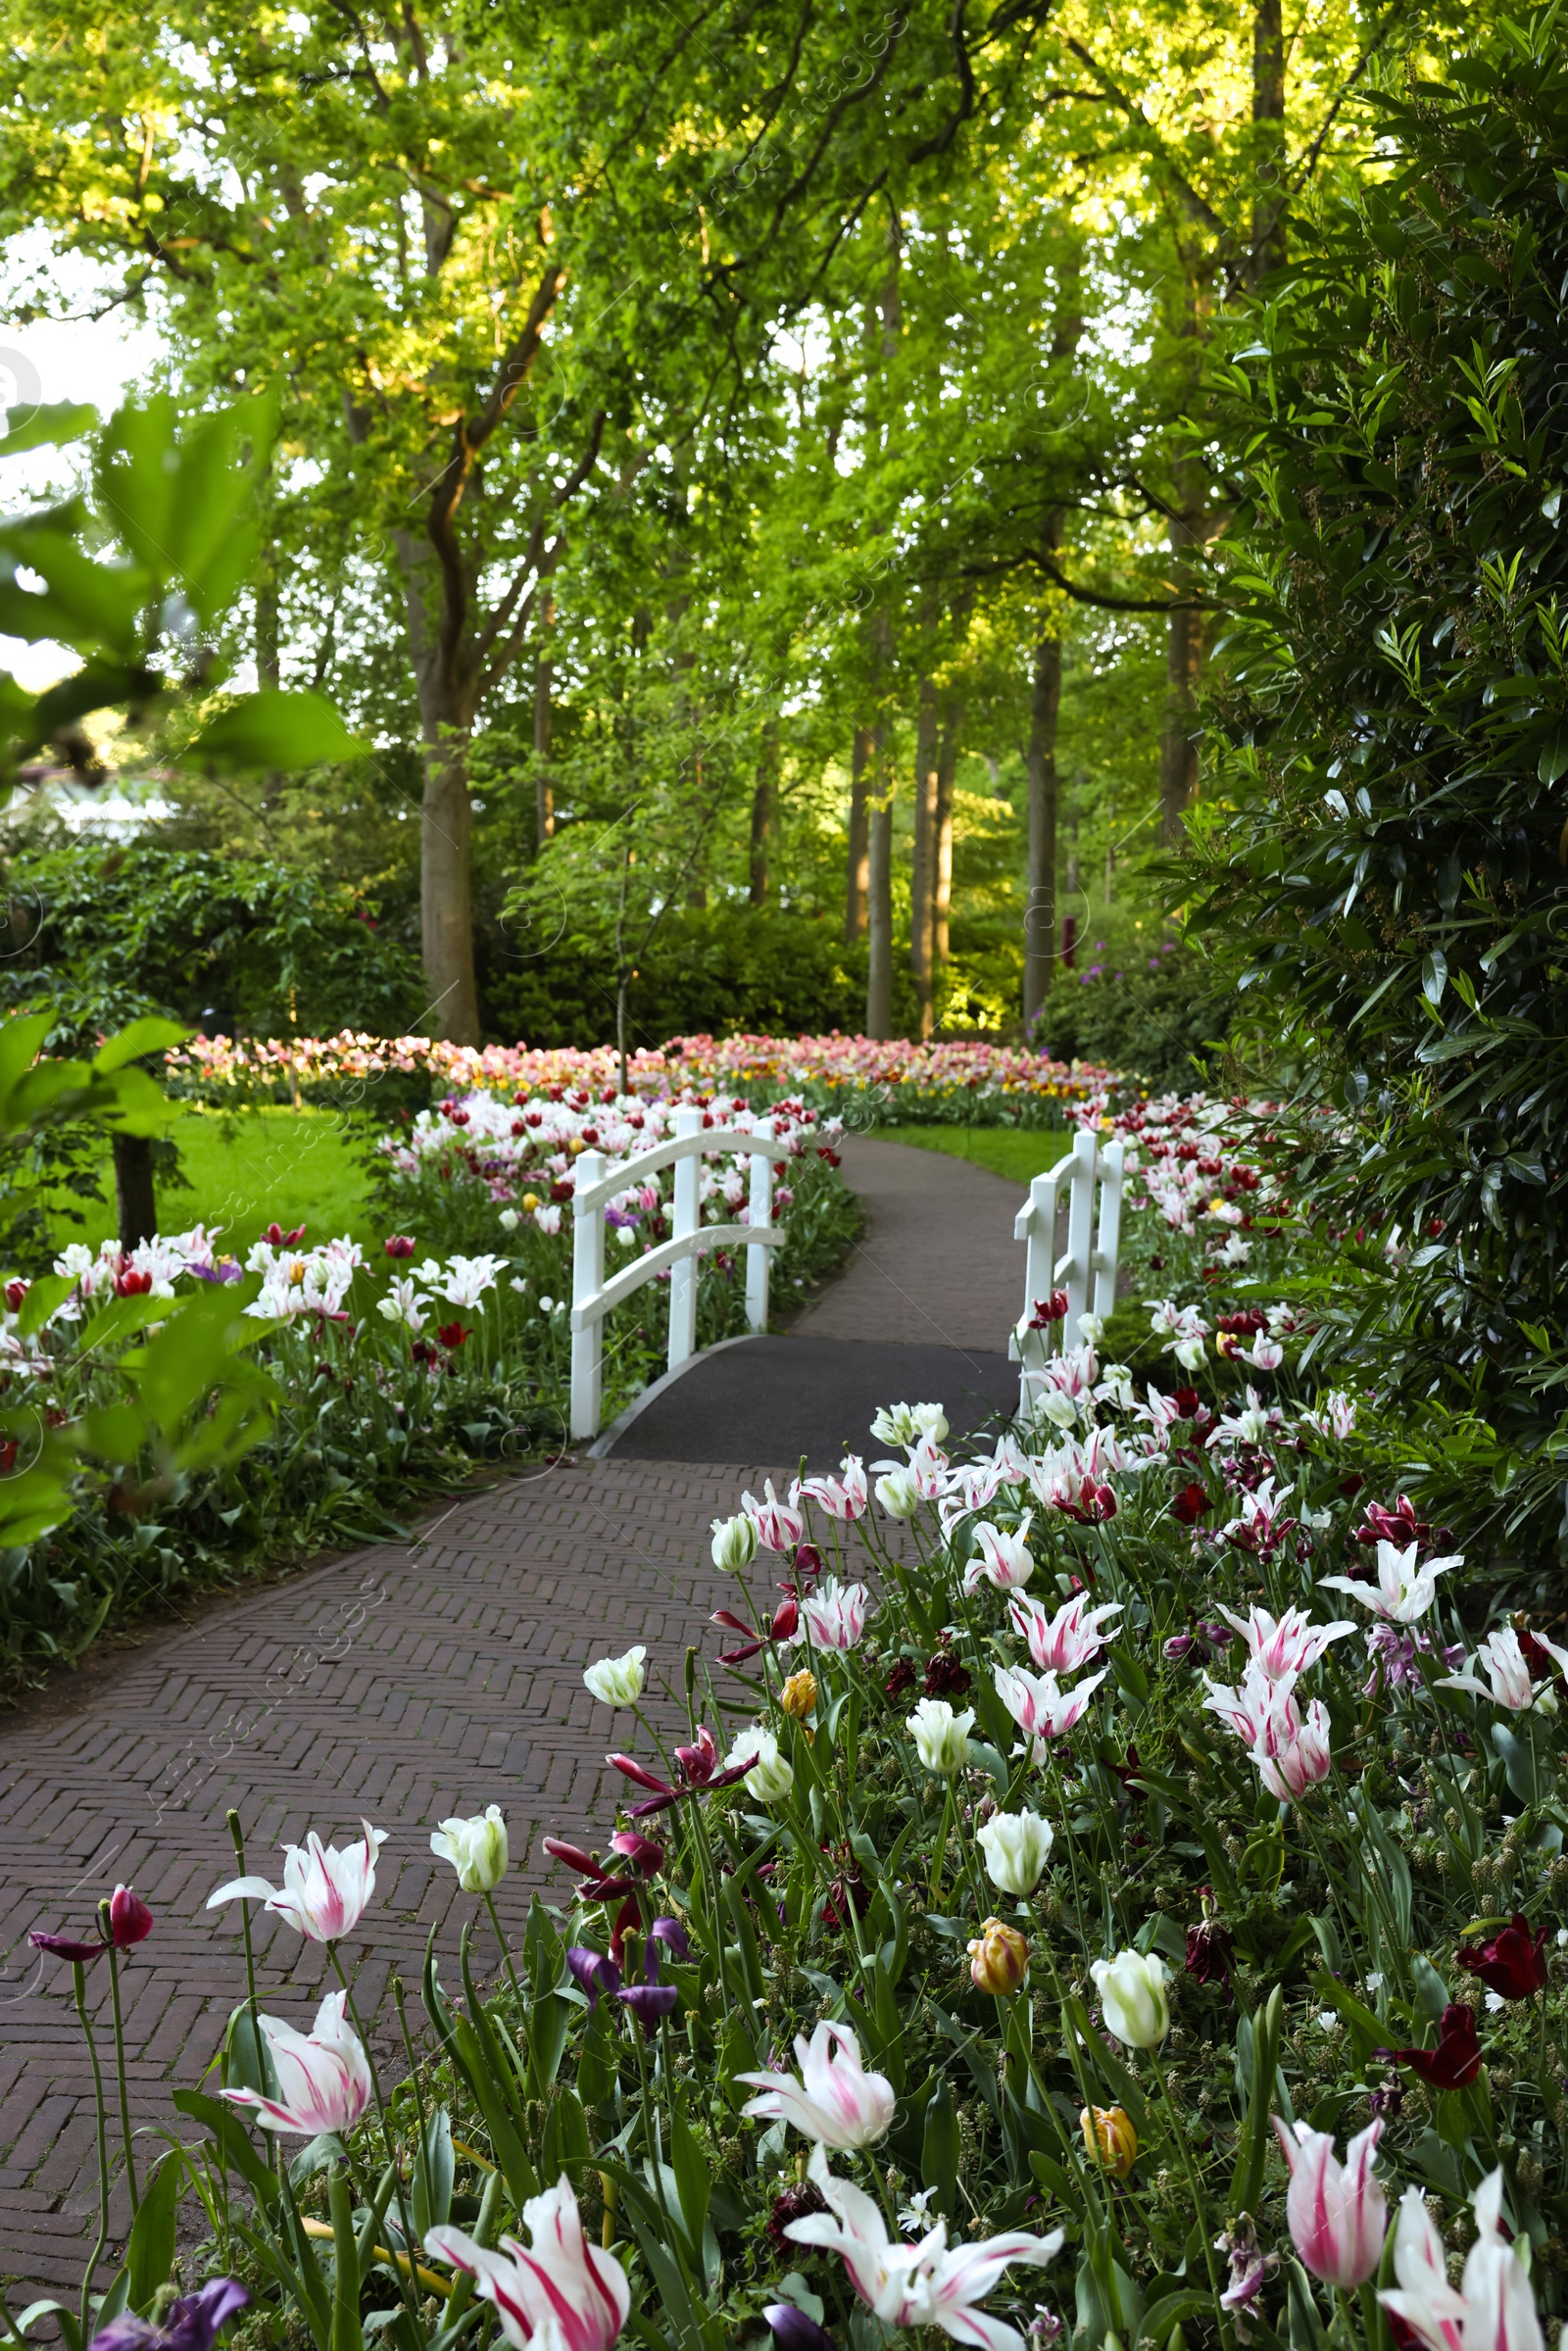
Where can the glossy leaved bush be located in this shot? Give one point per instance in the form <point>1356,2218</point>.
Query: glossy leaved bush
<point>1383,848</point>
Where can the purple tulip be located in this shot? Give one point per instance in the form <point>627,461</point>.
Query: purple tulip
<point>192,2322</point>
<point>649,2004</point>
<point>672,1934</point>
<point>793,2331</point>
<point>595,1974</point>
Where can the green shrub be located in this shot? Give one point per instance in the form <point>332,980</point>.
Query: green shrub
<point>1151,1012</point>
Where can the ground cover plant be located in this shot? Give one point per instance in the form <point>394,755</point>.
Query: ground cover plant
<point>1105,1882</point>
<point>423,1335</point>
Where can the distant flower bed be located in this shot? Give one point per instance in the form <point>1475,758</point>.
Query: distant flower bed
<point>945,1082</point>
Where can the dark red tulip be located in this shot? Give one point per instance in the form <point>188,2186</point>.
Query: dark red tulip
<point>62,1946</point>
<point>585,1864</point>
<point>129,1919</point>
<point>399,1245</point>
<point>641,1852</point>
<point>1191,1504</point>
<point>1210,1952</point>
<point>1514,1963</point>
<point>1457,2059</point>
<point>451,1336</point>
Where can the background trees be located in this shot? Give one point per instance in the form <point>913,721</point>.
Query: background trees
<point>758,462</point>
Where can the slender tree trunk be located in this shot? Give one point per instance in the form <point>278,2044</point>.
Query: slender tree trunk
<point>947,769</point>
<point>1040,908</point>
<point>858,876</point>
<point>879,973</point>
<point>1190,527</point>
<point>762,814</point>
<point>446,693</point>
<point>135,1207</point>
<point>1267,251</point>
<point>922,895</point>
<point>544,788</point>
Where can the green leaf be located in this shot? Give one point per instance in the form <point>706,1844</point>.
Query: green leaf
<point>47,426</point>
<point>150,1034</point>
<point>277,729</point>
<point>1247,2179</point>
<point>941,2148</point>
<point>150,2253</point>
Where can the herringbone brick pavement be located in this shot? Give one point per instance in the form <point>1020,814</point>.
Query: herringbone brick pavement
<point>401,1684</point>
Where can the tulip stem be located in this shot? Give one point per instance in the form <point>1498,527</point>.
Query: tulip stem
<point>388,2140</point>
<point>490,1906</point>
<point>107,1930</point>
<point>1186,2154</point>
<point>78,1975</point>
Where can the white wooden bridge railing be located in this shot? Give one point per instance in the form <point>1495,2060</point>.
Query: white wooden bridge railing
<point>592,1297</point>
<point>1088,1251</point>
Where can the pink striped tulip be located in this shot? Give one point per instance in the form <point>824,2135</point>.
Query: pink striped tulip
<point>560,2288</point>
<point>1493,2308</point>
<point>1338,2215</point>
<point>323,2076</point>
<point>324,1891</point>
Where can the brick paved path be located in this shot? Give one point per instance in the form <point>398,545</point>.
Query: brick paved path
<point>403,1684</point>
<point>461,1685</point>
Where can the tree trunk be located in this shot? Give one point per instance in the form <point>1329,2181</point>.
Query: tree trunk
<point>544,788</point>
<point>135,1207</point>
<point>1190,527</point>
<point>1266,249</point>
<point>947,769</point>
<point>763,815</point>
<point>445,903</point>
<point>922,895</point>
<point>879,973</point>
<point>1040,906</point>
<point>858,876</point>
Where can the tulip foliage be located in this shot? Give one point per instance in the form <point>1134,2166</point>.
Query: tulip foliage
<point>1136,1921</point>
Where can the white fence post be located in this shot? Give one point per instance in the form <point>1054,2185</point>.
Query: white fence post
<point>688,1210</point>
<point>1108,1239</point>
<point>587,1280</point>
<point>760,1211</point>
<point>1080,1229</point>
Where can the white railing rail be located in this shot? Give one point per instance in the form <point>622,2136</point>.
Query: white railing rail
<point>1091,1249</point>
<point>592,1297</point>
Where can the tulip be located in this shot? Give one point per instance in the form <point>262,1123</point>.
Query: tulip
<point>1016,1847</point>
<point>941,1736</point>
<point>592,1973</point>
<point>130,1922</point>
<point>1191,1504</point>
<point>323,2078</point>
<point>922,2284</point>
<point>834,2101</point>
<point>1132,1995</point>
<point>794,2331</point>
<point>1109,2137</point>
<point>778,1527</point>
<point>998,1958</point>
<point>799,1695</point>
<point>476,1849</point>
<point>843,1497</point>
<point>1063,1642</point>
<point>1000,1559</point>
<point>192,2324</point>
<point>1493,2307</point>
<point>672,1934</point>
<point>835,1616</point>
<point>769,1775</point>
<point>651,2002</point>
<point>617,1681</point>
<point>1290,1759</point>
<point>1337,2216</point>
<point>324,1891</point>
<point>1403,1591</point>
<point>734,1543</point>
<point>561,2291</point>
<point>1247,1709</point>
<point>646,1857</point>
<point>1512,1684</point>
<point>1039,1707</point>
<point>1454,2062</point>
<point>898,1495</point>
<point>1283,1648</point>
<point>1514,1963</point>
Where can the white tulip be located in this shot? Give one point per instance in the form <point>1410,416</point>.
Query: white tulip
<point>617,1681</point>
<point>1132,1994</point>
<point>1016,1845</point>
<point>734,1544</point>
<point>773,1775</point>
<point>897,1493</point>
<point>476,1849</point>
<point>941,1736</point>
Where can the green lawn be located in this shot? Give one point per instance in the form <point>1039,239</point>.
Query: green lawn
<point>248,1167</point>
<point>1009,1152</point>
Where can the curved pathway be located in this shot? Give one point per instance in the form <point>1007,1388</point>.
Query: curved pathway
<point>411,1682</point>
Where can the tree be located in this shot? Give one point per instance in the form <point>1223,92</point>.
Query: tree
<point>1386,863</point>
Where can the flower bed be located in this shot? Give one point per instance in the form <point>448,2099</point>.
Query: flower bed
<point>1149,1851</point>
<point>942,1083</point>
<point>388,1374</point>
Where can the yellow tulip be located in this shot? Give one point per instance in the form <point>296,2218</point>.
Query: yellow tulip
<point>998,1958</point>
<point>1111,2139</point>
